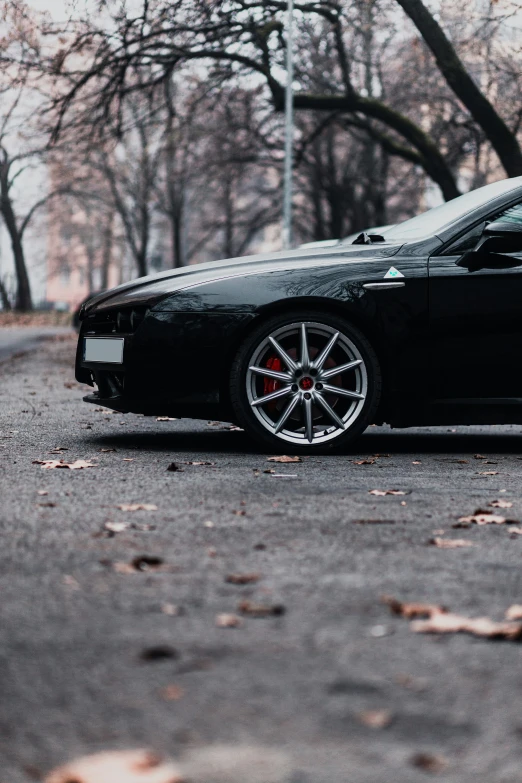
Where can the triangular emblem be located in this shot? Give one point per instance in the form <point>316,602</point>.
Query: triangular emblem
<point>392,272</point>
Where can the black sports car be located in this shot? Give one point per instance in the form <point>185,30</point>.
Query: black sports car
<point>306,348</point>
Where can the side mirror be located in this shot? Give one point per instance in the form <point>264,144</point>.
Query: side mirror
<point>503,228</point>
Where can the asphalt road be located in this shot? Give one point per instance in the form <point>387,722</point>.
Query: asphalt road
<point>89,643</point>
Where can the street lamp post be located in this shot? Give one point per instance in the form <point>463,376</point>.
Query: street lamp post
<point>289,129</point>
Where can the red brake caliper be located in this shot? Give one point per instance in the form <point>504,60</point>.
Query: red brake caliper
<point>270,384</point>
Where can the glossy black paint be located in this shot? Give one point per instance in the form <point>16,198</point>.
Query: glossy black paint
<point>447,339</point>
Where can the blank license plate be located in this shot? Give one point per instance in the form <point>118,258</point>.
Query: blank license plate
<point>103,349</point>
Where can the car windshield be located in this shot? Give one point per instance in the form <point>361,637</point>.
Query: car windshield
<point>434,220</point>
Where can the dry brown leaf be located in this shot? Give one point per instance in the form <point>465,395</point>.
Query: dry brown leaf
<point>500,504</point>
<point>429,762</point>
<point>481,518</point>
<point>488,472</point>
<point>165,418</point>
<point>412,609</point>
<point>59,463</point>
<point>172,610</point>
<point>382,492</point>
<point>363,461</point>
<point>284,458</point>
<point>200,464</point>
<point>242,579</point>
<point>514,612</point>
<point>42,492</point>
<point>450,543</point>
<point>260,610</point>
<point>106,451</point>
<point>515,531</point>
<point>116,527</point>
<point>416,462</point>
<point>137,507</point>
<point>447,622</point>
<point>375,719</point>
<point>479,456</point>
<point>127,766</point>
<point>228,621</point>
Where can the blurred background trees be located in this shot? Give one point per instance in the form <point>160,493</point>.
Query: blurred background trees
<point>153,130</point>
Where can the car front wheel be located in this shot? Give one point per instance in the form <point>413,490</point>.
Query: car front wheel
<point>307,380</point>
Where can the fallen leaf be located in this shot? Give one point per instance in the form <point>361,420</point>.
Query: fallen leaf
<point>375,719</point>
<point>58,450</point>
<point>488,472</point>
<point>284,458</point>
<point>160,652</point>
<point>234,428</point>
<point>165,418</point>
<point>116,527</point>
<point>284,475</point>
<point>514,612</point>
<point>450,543</point>
<point>49,504</point>
<point>172,693</point>
<point>42,492</point>
<point>416,462</point>
<point>260,610</point>
<point>269,470</point>
<point>106,451</point>
<point>481,518</point>
<point>500,504</point>
<point>228,621</point>
<point>382,455</point>
<point>447,622</point>
<point>515,531</point>
<point>199,464</point>
<point>137,507</point>
<point>429,762</point>
<point>363,461</point>
<point>128,459</point>
<point>382,492</point>
<point>174,468</point>
<point>126,766</point>
<point>479,456</point>
<point>242,579</point>
<point>55,463</point>
<point>409,610</point>
<point>146,562</point>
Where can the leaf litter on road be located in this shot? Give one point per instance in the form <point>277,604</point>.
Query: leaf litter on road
<point>438,619</point>
<point>260,610</point>
<point>483,517</point>
<point>383,492</point>
<point>51,464</point>
<point>500,504</point>
<point>450,543</point>
<point>123,766</point>
<point>228,620</point>
<point>284,458</point>
<point>242,579</point>
<point>376,719</point>
<point>137,507</point>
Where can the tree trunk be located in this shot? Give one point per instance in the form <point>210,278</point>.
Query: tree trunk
<point>6,304</point>
<point>502,140</point>
<point>107,253</point>
<point>23,299</point>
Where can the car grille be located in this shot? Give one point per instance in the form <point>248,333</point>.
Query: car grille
<point>124,321</point>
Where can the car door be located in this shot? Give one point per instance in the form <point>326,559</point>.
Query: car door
<point>475,323</point>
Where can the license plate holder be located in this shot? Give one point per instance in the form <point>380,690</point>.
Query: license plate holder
<point>105,350</point>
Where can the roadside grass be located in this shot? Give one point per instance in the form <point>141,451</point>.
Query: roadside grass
<point>36,318</point>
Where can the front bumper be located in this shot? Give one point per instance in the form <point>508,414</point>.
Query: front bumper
<point>173,364</point>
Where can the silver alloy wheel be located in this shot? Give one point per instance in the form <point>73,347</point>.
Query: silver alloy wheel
<point>306,383</point>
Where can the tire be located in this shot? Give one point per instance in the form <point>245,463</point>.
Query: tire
<point>293,400</point>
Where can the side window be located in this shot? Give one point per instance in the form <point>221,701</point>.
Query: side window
<point>466,241</point>
<point>513,215</point>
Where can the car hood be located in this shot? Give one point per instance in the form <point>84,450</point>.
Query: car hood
<point>172,280</point>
